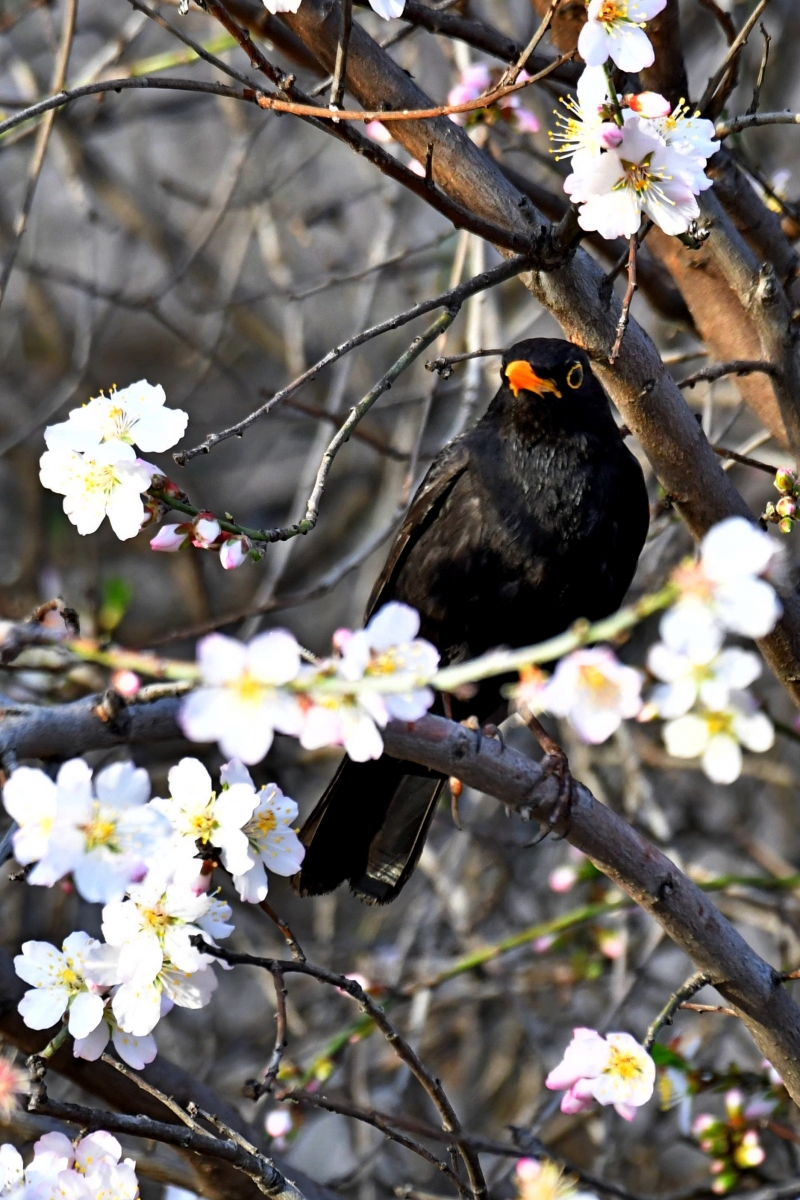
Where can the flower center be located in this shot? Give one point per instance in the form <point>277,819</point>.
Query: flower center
<point>612,10</point>
<point>248,689</point>
<point>69,978</point>
<point>639,176</point>
<point>99,831</point>
<point>203,824</point>
<point>603,690</point>
<point>623,1064</point>
<point>262,824</point>
<point>717,722</point>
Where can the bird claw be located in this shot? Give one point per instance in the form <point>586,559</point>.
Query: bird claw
<point>555,764</point>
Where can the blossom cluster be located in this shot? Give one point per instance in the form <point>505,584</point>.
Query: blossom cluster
<point>477,79</point>
<point>631,155</point>
<point>205,533</point>
<point>150,863</point>
<point>384,8</point>
<point>247,692</point>
<point>90,1169</point>
<point>784,514</point>
<point>90,458</point>
<point>702,689</point>
<point>732,1142</point>
<point>614,1069</point>
<point>535,1179</point>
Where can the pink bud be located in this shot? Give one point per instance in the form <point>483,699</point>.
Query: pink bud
<point>340,638</point>
<point>786,507</point>
<point>734,1102</point>
<point>526,121</point>
<point>562,879</point>
<point>611,945</point>
<point>170,538</point>
<point>206,531</point>
<point>650,104</point>
<point>278,1123</point>
<point>377,131</point>
<point>542,944</point>
<point>233,552</point>
<point>127,683</point>
<point>611,135</point>
<point>416,167</point>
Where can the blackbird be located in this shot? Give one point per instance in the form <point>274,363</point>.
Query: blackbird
<point>529,520</point>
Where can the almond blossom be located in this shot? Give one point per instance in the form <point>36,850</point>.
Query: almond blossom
<point>137,1052</point>
<point>594,691</point>
<point>384,8</point>
<point>585,127</point>
<point>13,1082</point>
<point>100,831</point>
<point>614,30</point>
<point>233,552</point>
<point>716,736</point>
<point>59,985</point>
<point>135,415</point>
<point>724,591</point>
<point>545,1180</point>
<point>614,1069</point>
<point>473,82</point>
<point>106,482</point>
<point>273,843</point>
<point>171,538</point>
<point>241,701</point>
<point>684,681</point>
<point>201,818</point>
<point>641,175</point>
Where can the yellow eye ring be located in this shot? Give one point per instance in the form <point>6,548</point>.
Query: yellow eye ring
<point>575,375</point>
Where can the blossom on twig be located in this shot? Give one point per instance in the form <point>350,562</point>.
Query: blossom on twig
<point>716,736</point>
<point>614,29</point>
<point>272,841</point>
<point>535,1179</point>
<point>106,482</point>
<point>136,415</point>
<point>614,1069</point>
<point>59,985</point>
<point>594,691</point>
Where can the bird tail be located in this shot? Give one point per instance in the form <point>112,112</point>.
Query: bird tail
<point>368,828</point>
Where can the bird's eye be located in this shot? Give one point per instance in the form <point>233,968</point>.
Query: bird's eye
<point>575,375</point>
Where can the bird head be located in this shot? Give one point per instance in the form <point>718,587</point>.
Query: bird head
<point>549,368</point>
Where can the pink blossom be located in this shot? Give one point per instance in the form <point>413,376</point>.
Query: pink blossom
<point>650,104</point>
<point>377,131</point>
<point>206,530</point>
<point>563,879</point>
<point>127,683</point>
<point>614,1069</point>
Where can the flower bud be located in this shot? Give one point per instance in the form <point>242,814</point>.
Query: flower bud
<point>170,538</point>
<point>785,525</point>
<point>127,683</point>
<point>206,530</point>
<point>734,1102</point>
<point>278,1123</point>
<point>233,552</point>
<point>563,879</point>
<point>611,135</point>
<point>786,507</point>
<point>785,480</point>
<point>650,104</point>
<point>750,1153</point>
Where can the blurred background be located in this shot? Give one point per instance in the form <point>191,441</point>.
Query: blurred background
<point>219,251</point>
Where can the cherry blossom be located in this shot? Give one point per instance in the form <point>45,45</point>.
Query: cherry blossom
<point>171,538</point>
<point>198,815</point>
<point>545,1180</point>
<point>134,415</point>
<point>389,647</point>
<point>100,831</point>
<point>614,30</point>
<point>594,691</point>
<point>716,736</point>
<point>137,1052</point>
<point>642,175</point>
<point>588,118</point>
<point>241,702</point>
<point>205,530</point>
<point>272,840</point>
<point>614,1069</point>
<point>685,681</point>
<point>59,984</point>
<point>473,82</point>
<point>106,482</point>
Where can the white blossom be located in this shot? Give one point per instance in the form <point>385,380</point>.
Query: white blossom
<point>59,984</point>
<point>135,415</point>
<point>273,842</point>
<point>594,691</point>
<point>240,702</point>
<point>389,647</point>
<point>384,8</point>
<point>614,30</point>
<point>614,1069</point>
<point>171,538</point>
<point>581,130</point>
<point>105,482</point>
<point>137,1052</point>
<point>716,737</point>
<point>642,175</point>
<point>685,682</point>
<point>102,835</point>
<point>197,814</point>
<point>233,552</point>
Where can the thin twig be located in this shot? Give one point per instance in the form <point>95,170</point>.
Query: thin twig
<point>762,72</point>
<point>362,435</point>
<point>630,291</point>
<point>405,1052</point>
<point>690,988</point>
<point>444,366</point>
<point>709,1008</point>
<point>167,1101</point>
<point>724,19</point>
<point>737,366</point>
<point>734,456</point>
<point>255,1088</point>
<point>40,145</point>
<point>455,296</point>
<point>512,73</point>
<point>340,67</point>
<point>275,104</point>
<point>734,50</point>
<point>750,120</point>
<point>291,941</point>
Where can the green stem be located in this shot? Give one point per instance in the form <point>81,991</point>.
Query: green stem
<point>55,1043</point>
<point>615,104</point>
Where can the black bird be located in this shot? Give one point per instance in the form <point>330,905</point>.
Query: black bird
<point>529,520</point>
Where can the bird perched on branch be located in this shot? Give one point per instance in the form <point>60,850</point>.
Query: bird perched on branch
<point>530,520</point>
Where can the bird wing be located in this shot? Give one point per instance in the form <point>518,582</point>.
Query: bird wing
<point>425,507</point>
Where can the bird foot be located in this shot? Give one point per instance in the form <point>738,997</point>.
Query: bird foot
<point>456,786</point>
<point>555,764</point>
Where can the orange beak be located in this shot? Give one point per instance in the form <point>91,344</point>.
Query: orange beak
<point>522,377</point>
